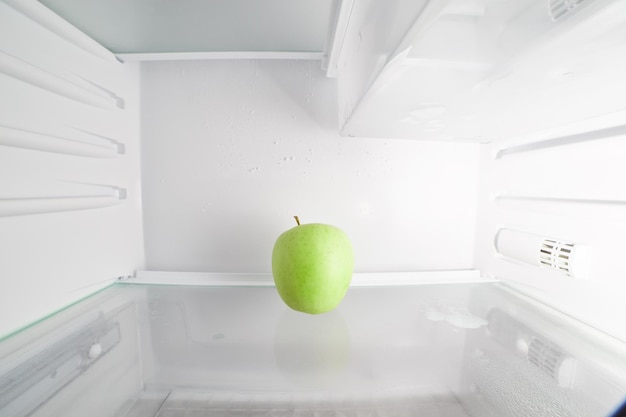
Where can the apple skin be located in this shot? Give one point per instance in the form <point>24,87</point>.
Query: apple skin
<point>312,266</point>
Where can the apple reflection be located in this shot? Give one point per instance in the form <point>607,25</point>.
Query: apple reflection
<point>312,350</point>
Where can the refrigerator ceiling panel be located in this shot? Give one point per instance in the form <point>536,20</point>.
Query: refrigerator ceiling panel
<point>154,26</point>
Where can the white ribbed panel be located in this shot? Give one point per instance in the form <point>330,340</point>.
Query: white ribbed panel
<point>565,189</point>
<point>69,164</point>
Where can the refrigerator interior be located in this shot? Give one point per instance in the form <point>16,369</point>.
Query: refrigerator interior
<point>151,152</point>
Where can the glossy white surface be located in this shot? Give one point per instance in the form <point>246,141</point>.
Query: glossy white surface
<point>373,33</point>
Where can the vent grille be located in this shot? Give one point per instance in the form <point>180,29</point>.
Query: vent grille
<point>545,356</point>
<point>561,8</point>
<point>556,255</point>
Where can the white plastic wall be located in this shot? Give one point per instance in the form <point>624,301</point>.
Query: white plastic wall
<point>69,165</point>
<point>567,187</point>
<point>233,149</point>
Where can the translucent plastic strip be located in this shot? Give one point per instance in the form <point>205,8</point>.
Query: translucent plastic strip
<point>39,141</point>
<point>564,140</point>
<point>185,56</point>
<point>26,206</point>
<point>31,74</point>
<point>381,279</point>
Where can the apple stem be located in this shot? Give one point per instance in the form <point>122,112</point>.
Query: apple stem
<point>297,220</point>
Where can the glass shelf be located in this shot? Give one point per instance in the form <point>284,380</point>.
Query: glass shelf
<point>435,350</point>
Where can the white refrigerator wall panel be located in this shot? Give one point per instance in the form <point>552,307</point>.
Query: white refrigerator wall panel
<point>233,149</point>
<point>553,219</point>
<point>70,207</point>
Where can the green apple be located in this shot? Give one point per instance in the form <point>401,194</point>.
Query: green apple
<point>312,266</point>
